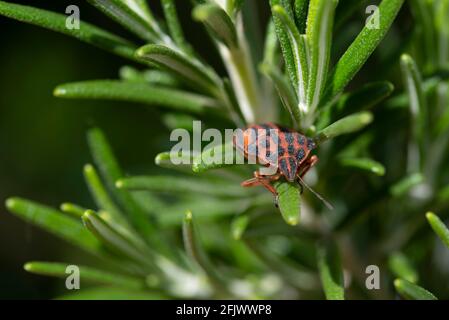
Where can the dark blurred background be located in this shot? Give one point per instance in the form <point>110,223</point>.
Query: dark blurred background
<point>42,138</point>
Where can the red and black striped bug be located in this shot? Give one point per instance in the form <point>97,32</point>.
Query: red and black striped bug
<point>283,149</point>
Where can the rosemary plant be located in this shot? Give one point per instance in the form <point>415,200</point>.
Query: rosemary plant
<point>209,238</point>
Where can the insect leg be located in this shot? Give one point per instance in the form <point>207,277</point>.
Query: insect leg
<point>254,182</point>
<point>259,180</point>
<point>265,181</point>
<point>308,165</point>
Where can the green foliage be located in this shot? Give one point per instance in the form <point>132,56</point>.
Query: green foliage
<point>439,227</point>
<point>346,125</point>
<point>112,293</point>
<point>402,267</point>
<point>138,92</point>
<point>364,164</point>
<point>289,201</point>
<point>193,222</point>
<point>411,291</point>
<point>89,274</point>
<point>331,273</point>
<point>57,22</point>
<point>361,49</point>
<point>55,222</point>
<point>218,22</point>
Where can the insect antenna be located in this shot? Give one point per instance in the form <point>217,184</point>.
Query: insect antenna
<point>326,203</point>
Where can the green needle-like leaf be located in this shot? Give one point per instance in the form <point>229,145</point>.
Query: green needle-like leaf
<point>365,164</point>
<point>429,86</point>
<point>320,23</point>
<point>294,51</point>
<point>422,11</point>
<point>191,71</point>
<point>117,240</point>
<point>218,23</point>
<point>87,274</point>
<point>346,125</point>
<point>182,185</point>
<point>175,121</point>
<point>401,267</point>
<point>136,92</point>
<point>442,15</point>
<point>112,293</point>
<point>403,186</point>
<point>100,194</point>
<point>54,222</point>
<point>412,291</point>
<point>439,227</point>
<point>72,209</point>
<point>174,25</point>
<point>418,109</point>
<point>209,209</point>
<point>284,89</point>
<point>151,76</point>
<point>164,160</point>
<point>331,272</point>
<point>360,50</point>
<point>234,6</point>
<point>122,13</point>
<point>196,252</point>
<point>288,7</point>
<point>289,201</point>
<point>111,172</point>
<point>292,273</point>
<point>216,157</point>
<point>239,225</point>
<point>57,22</point>
<point>301,10</point>
<point>413,82</point>
<point>141,7</point>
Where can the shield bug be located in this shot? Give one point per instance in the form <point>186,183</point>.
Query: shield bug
<point>286,151</point>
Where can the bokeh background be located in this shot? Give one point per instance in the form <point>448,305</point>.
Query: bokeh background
<point>42,139</point>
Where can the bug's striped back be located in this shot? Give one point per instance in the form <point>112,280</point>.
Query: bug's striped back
<point>273,145</point>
